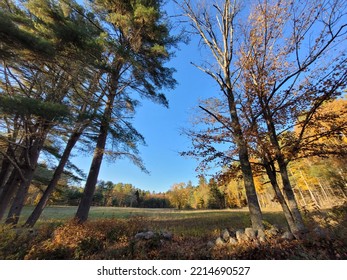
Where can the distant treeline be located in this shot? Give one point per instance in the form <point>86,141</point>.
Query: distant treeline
<point>106,194</point>
<point>318,183</point>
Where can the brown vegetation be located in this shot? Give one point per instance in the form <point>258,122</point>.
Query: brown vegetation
<point>115,239</point>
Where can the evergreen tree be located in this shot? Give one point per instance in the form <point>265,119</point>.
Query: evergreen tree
<point>35,86</point>
<point>136,49</point>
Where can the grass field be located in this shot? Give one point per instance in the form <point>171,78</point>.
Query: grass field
<point>110,234</point>
<point>186,222</point>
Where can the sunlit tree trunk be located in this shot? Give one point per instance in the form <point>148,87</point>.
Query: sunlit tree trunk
<point>309,190</point>
<point>282,165</point>
<point>215,23</point>
<point>271,172</point>
<point>89,188</point>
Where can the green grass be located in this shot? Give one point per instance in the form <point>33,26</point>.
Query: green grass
<point>186,222</point>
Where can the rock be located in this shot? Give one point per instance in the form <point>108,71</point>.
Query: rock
<point>167,235</point>
<point>140,235</point>
<point>225,235</point>
<point>241,236</point>
<point>232,241</point>
<point>261,236</point>
<point>219,241</point>
<point>145,235</point>
<point>319,232</point>
<point>287,236</point>
<point>262,239</point>
<point>272,231</point>
<point>210,244</point>
<point>149,235</point>
<point>250,233</point>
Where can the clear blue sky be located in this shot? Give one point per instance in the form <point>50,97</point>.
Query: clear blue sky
<point>162,127</point>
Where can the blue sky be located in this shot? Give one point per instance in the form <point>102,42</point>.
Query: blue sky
<point>162,127</point>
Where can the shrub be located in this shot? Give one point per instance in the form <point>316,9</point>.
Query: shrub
<point>14,243</point>
<point>88,240</point>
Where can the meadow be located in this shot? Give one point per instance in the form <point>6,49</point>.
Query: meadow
<point>186,222</point>
<point>110,234</point>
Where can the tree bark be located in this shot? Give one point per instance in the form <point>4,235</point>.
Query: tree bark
<point>287,188</point>
<point>271,172</point>
<point>253,204</point>
<point>289,193</point>
<point>313,198</point>
<point>9,190</point>
<point>5,172</point>
<point>35,215</point>
<point>19,199</point>
<point>28,173</point>
<point>89,189</point>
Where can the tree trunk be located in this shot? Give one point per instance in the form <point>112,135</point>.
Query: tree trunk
<point>326,197</point>
<point>253,204</point>
<point>9,190</point>
<point>5,172</point>
<point>293,206</point>
<point>10,186</point>
<point>35,215</point>
<point>271,172</point>
<point>299,190</point>
<point>309,190</point>
<point>304,203</point>
<point>287,188</point>
<point>19,199</point>
<point>6,165</point>
<point>89,189</point>
<point>28,172</point>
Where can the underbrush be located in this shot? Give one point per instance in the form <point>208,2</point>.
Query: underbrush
<point>115,239</point>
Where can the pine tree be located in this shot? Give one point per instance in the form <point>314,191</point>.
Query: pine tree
<point>137,47</point>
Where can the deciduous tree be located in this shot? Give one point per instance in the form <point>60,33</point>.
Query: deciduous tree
<point>215,24</point>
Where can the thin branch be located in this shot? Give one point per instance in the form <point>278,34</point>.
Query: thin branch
<point>217,118</point>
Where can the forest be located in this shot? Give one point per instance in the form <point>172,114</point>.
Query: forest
<point>272,135</point>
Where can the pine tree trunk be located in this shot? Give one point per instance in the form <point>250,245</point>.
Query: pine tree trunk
<point>9,190</point>
<point>19,199</point>
<point>89,189</point>
<point>35,215</point>
<point>5,172</point>
<point>6,165</point>
<point>10,187</point>
<point>28,171</point>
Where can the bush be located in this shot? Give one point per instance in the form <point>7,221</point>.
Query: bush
<point>14,243</point>
<point>86,241</point>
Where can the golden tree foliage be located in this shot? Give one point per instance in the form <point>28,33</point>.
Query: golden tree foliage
<point>326,133</point>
